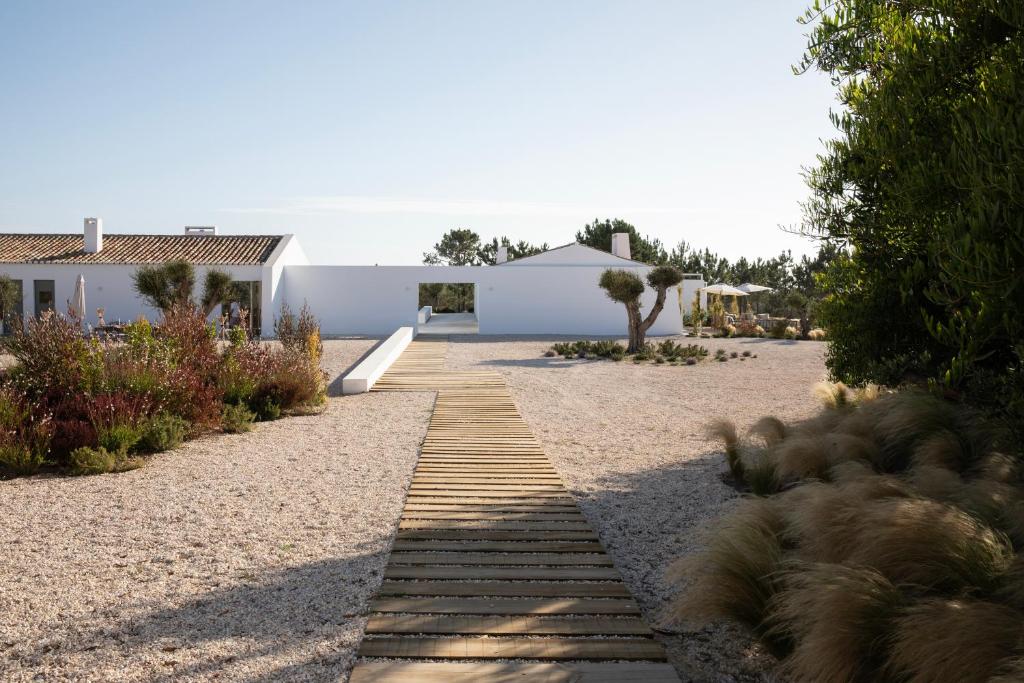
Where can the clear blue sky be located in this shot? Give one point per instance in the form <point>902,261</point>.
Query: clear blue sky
<point>370,128</point>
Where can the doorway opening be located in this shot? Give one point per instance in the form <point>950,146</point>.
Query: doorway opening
<point>453,308</point>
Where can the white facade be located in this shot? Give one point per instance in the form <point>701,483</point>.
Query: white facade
<point>555,292</point>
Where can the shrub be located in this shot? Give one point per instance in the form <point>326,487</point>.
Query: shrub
<point>17,458</point>
<point>691,360</point>
<point>550,353</point>
<point>86,461</point>
<point>817,334</point>
<point>163,432</point>
<point>778,330</point>
<point>746,354</point>
<point>888,543</point>
<point>25,433</point>
<point>721,356</point>
<point>748,328</point>
<point>237,419</point>
<point>728,331</point>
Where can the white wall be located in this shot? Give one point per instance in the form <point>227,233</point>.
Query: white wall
<point>287,252</point>
<point>106,286</point>
<point>375,300</point>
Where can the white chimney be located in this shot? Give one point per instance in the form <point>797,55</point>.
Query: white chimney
<point>502,255</point>
<point>620,244</point>
<point>200,229</point>
<point>93,235</point>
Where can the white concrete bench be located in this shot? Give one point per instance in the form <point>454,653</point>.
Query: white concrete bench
<point>363,376</point>
<point>425,314</point>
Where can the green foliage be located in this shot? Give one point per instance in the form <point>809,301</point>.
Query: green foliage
<point>162,432</point>
<point>237,419</point>
<point>217,289</point>
<point>599,236</point>
<point>18,459</point>
<point>119,438</point>
<point>85,461</point>
<point>922,189</point>
<point>623,286</point>
<point>170,285</point>
<point>267,409</point>
<point>10,294</point>
<point>488,253</point>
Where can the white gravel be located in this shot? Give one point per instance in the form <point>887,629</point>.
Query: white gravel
<point>629,442</point>
<point>235,557</point>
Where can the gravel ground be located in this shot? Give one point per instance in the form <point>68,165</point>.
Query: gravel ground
<point>629,442</point>
<point>235,557</point>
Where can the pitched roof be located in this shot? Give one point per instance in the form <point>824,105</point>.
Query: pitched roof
<point>586,255</point>
<point>227,250</point>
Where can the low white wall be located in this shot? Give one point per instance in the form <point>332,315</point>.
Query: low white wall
<point>374,300</point>
<point>363,376</point>
<point>425,314</point>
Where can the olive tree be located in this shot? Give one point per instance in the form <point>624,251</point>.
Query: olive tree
<point>169,285</point>
<point>626,287</point>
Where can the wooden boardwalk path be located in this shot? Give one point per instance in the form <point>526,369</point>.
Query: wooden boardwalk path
<point>495,575</point>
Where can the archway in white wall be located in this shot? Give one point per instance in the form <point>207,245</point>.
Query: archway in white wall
<point>448,308</point>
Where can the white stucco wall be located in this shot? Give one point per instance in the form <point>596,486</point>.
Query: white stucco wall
<point>376,300</point>
<point>106,286</point>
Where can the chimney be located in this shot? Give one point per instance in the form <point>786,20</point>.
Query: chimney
<point>502,255</point>
<point>93,235</point>
<point>620,244</point>
<point>200,229</point>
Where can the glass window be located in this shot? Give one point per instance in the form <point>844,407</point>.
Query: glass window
<point>45,296</point>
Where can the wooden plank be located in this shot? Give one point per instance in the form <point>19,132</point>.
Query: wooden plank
<point>507,525</point>
<point>508,606</point>
<point>547,559</point>
<point>542,648</point>
<point>513,672</point>
<point>490,535</point>
<point>487,546</point>
<point>446,624</point>
<point>559,589</point>
<point>543,508</point>
<point>496,516</point>
<point>501,573</point>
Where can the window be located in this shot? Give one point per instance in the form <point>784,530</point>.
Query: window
<point>245,296</point>
<point>44,296</point>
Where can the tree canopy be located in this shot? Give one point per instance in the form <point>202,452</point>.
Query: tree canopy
<point>641,248</point>
<point>626,287</point>
<point>462,247</point>
<point>922,189</point>
<point>169,285</point>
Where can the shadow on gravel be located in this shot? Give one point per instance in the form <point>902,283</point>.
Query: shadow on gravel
<point>647,520</point>
<point>316,606</point>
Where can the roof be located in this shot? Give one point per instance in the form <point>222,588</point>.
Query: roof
<point>575,254</point>
<point>227,250</point>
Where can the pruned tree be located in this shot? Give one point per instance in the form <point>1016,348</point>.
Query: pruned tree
<point>170,285</point>
<point>626,287</point>
<point>218,288</point>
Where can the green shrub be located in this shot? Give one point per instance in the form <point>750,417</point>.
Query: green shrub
<point>162,433</point>
<point>17,458</point>
<point>119,438</point>
<point>266,409</point>
<point>237,419</point>
<point>87,460</point>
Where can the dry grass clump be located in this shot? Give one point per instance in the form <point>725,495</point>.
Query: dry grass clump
<point>885,541</point>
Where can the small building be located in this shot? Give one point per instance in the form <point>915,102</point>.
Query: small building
<point>554,292</point>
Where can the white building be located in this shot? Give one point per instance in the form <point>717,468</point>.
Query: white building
<point>554,292</point>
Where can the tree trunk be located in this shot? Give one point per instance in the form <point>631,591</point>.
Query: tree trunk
<point>636,333</point>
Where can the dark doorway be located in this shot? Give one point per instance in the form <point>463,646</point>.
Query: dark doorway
<point>45,295</point>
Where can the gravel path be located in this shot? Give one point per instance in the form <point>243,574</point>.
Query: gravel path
<point>629,442</point>
<point>235,557</point>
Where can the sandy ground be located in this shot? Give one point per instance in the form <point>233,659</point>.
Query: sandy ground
<point>235,557</point>
<point>629,442</point>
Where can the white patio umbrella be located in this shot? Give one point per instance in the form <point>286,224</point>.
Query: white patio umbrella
<point>723,289</point>
<point>751,288</point>
<point>78,299</point>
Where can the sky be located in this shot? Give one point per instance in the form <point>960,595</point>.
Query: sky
<point>369,129</point>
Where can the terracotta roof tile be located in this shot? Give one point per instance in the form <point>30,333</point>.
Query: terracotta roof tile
<point>234,250</point>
